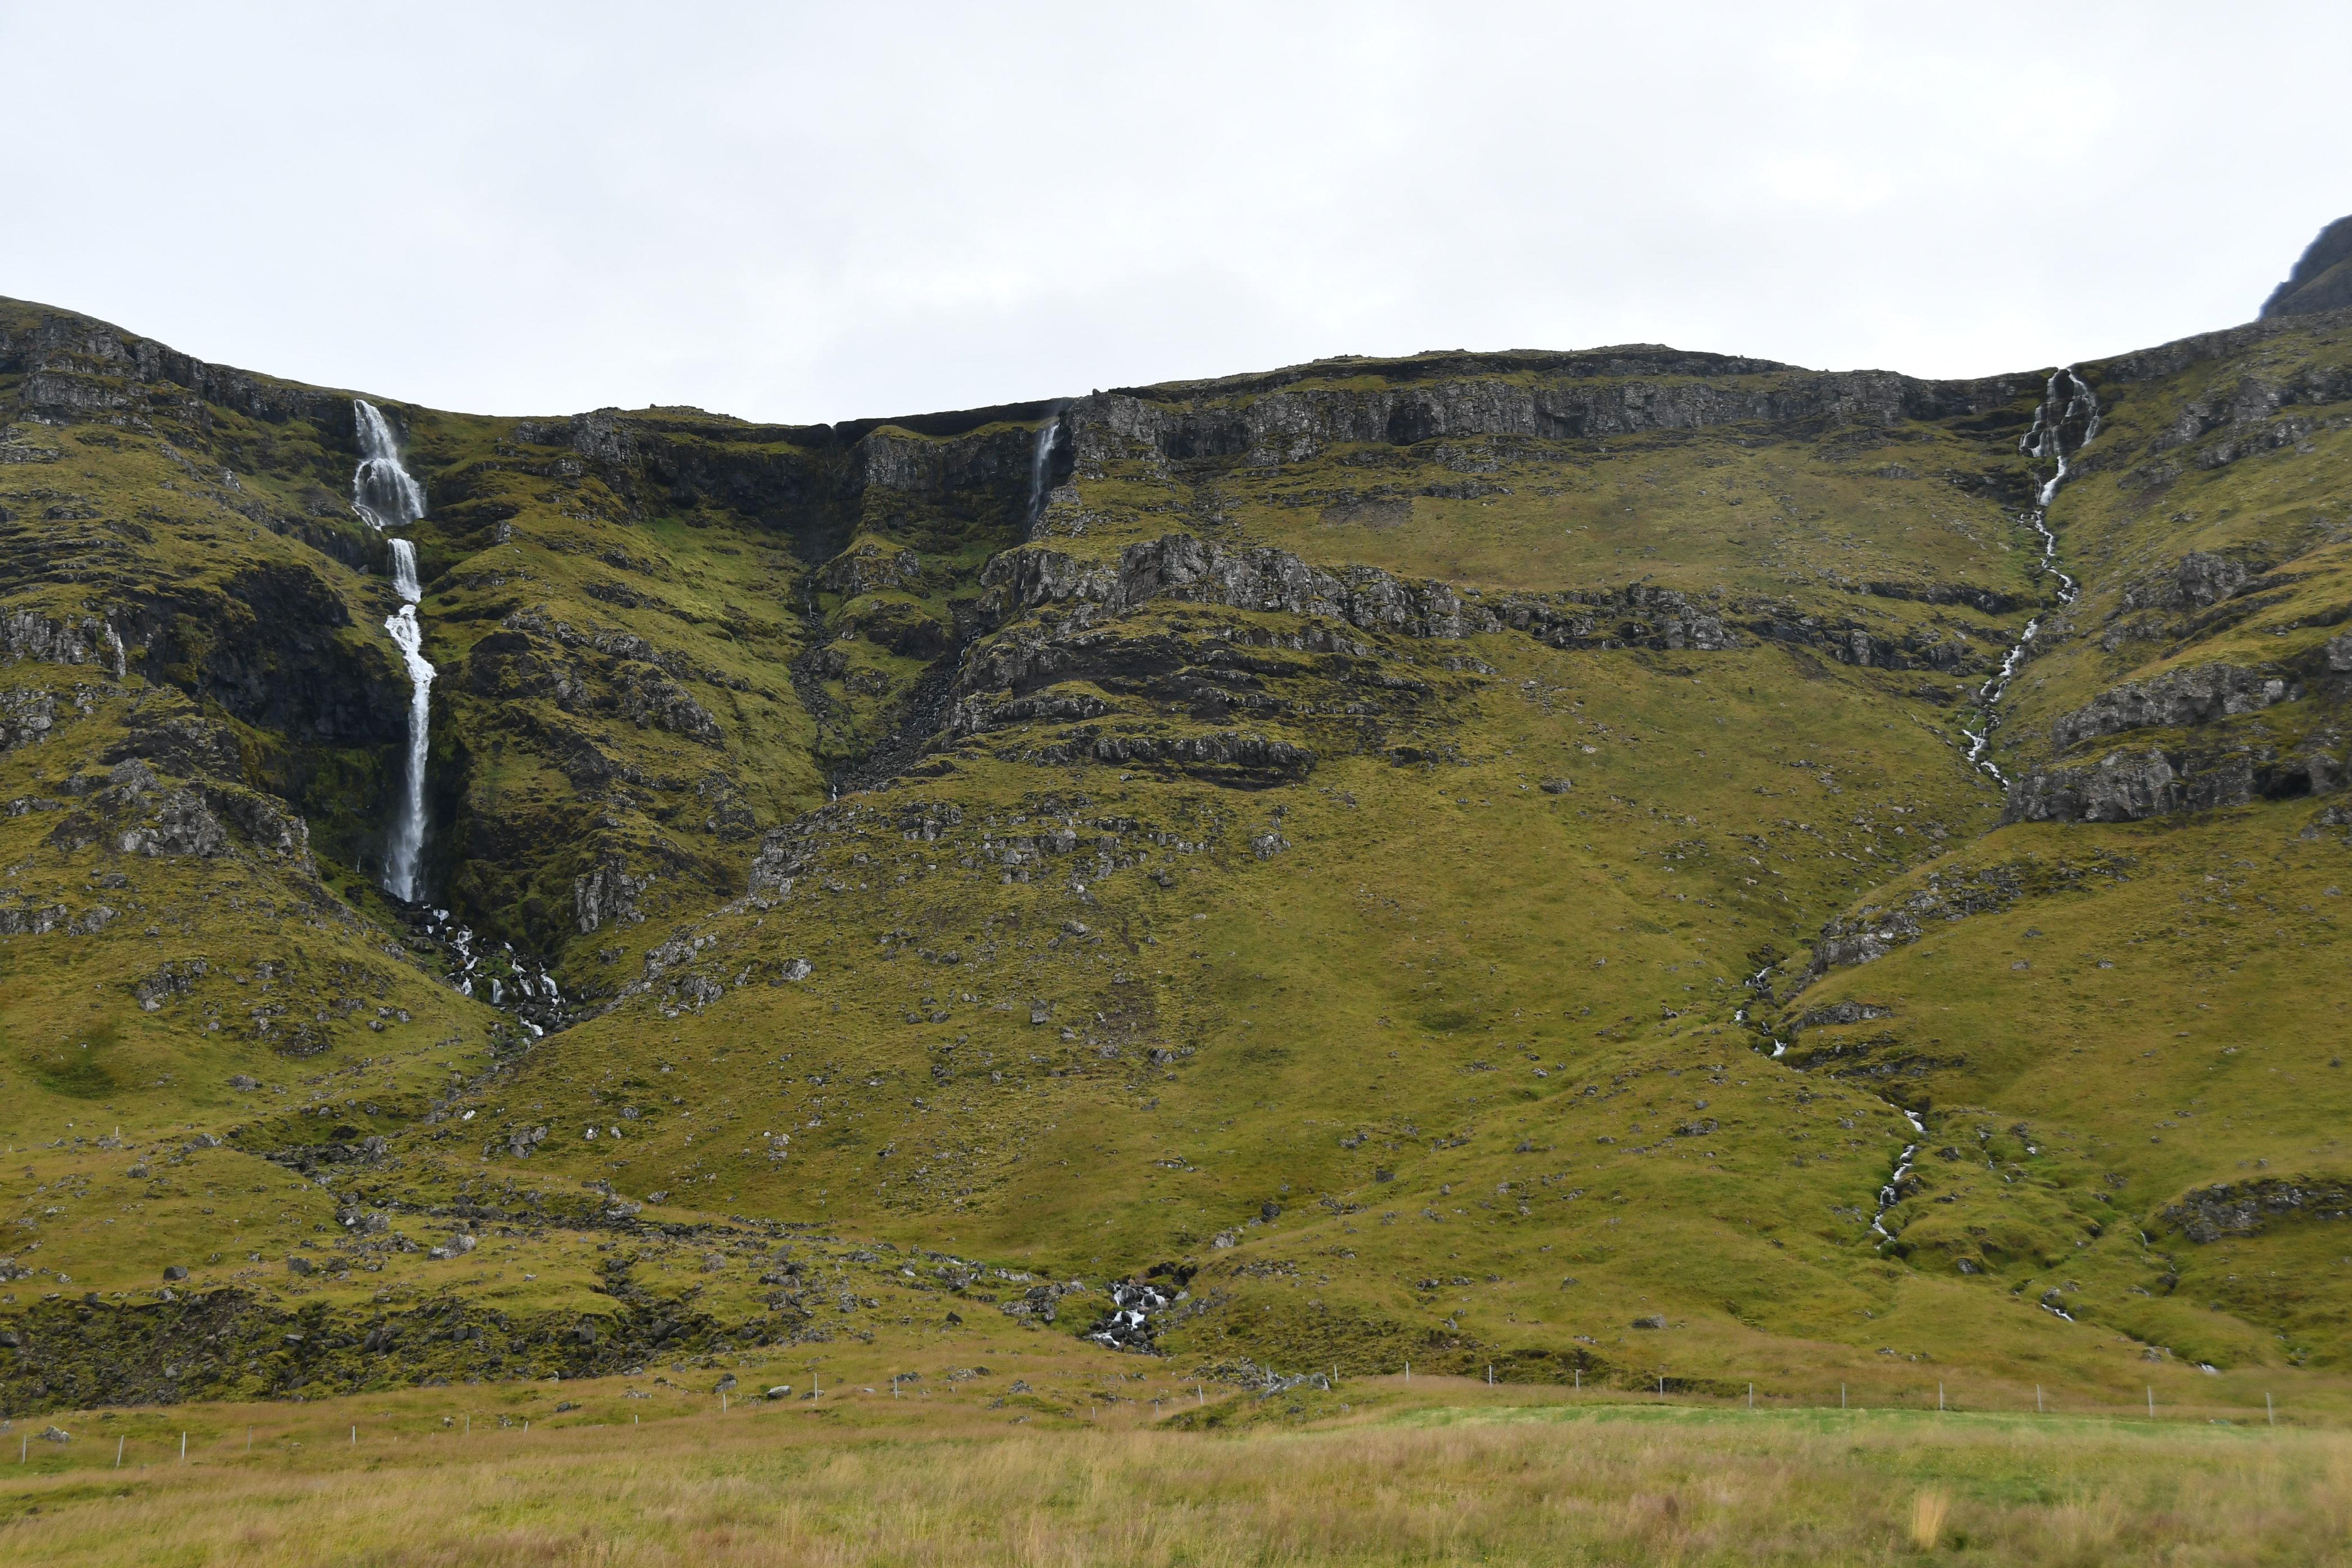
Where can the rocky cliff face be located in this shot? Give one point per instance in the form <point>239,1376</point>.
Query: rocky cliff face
<point>1571,397</point>
<point>1189,570</point>
<point>2174,699</point>
<point>75,368</point>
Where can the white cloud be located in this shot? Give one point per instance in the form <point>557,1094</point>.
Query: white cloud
<point>821,213</point>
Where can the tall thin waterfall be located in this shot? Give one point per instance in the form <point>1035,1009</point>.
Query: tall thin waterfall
<point>1041,466</point>
<point>407,846</point>
<point>385,494</point>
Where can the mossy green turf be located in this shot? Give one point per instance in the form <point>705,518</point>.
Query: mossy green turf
<point>1413,1054</point>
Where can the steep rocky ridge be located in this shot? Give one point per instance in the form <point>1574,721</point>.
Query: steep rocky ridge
<point>2321,279</point>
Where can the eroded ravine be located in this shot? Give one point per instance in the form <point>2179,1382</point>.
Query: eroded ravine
<point>2067,404</point>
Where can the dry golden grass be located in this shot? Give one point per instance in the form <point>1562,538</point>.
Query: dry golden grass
<point>1594,1485</point>
<point>1928,1510</point>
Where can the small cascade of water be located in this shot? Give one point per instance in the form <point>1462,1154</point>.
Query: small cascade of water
<point>386,496</point>
<point>1891,1193</point>
<point>2047,436</point>
<point>503,979</point>
<point>1128,1326</point>
<point>2067,404</point>
<point>1759,985</point>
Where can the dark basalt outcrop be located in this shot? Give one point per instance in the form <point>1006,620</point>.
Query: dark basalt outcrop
<point>1874,930</point>
<point>1194,571</point>
<point>2248,1208</point>
<point>2175,699</point>
<point>1839,1013</point>
<point>2128,786</point>
<point>84,640</point>
<point>1236,760</point>
<point>2133,783</point>
<point>2321,279</point>
<point>2198,582</point>
<point>278,663</point>
<point>75,367</point>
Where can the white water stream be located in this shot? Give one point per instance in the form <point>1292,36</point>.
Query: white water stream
<point>387,496</point>
<point>407,845</point>
<point>1891,1193</point>
<point>2066,399</point>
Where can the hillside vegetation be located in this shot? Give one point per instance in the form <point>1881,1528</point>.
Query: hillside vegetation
<point>1469,861</point>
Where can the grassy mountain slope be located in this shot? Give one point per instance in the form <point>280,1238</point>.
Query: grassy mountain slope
<point>1349,839</point>
<point>2145,963</point>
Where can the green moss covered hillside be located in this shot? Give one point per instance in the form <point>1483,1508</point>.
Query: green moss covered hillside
<point>1615,865</point>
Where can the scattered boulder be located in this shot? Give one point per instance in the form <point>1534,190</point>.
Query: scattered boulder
<point>1839,1013</point>
<point>2197,582</point>
<point>1037,1306</point>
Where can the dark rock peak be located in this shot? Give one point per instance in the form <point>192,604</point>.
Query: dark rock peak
<point>2321,280</point>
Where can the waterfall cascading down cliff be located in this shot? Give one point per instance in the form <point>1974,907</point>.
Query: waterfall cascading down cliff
<point>1041,469</point>
<point>388,496</point>
<point>407,846</point>
<point>382,493</point>
<point>2067,405</point>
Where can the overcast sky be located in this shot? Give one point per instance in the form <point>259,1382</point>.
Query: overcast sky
<point>821,213</point>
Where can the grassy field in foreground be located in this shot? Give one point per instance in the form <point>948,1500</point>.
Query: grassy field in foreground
<point>1375,1475</point>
